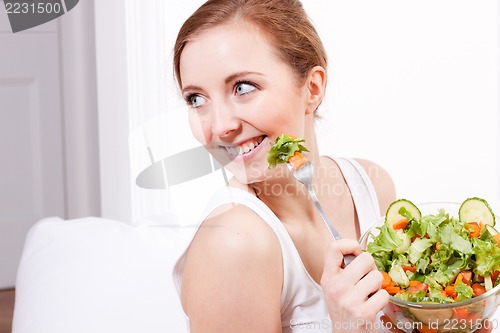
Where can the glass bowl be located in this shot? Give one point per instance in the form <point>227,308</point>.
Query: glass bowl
<point>465,316</point>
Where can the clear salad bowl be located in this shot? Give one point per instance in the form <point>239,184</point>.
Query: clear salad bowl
<point>464,316</point>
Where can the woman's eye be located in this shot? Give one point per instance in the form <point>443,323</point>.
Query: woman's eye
<point>195,101</point>
<point>244,88</point>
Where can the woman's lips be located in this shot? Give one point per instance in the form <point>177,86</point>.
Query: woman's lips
<point>246,147</point>
<point>246,150</point>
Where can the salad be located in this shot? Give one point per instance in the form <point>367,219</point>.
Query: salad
<point>287,149</point>
<point>438,258</point>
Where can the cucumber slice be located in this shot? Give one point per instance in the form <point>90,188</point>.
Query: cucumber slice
<point>476,210</point>
<point>393,214</point>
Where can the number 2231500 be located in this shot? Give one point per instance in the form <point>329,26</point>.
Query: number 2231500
<point>463,324</point>
<point>33,8</point>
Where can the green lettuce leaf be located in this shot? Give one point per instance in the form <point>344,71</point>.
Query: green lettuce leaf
<point>487,257</point>
<point>448,271</point>
<point>386,241</point>
<point>284,148</point>
<point>463,292</point>
<point>417,249</point>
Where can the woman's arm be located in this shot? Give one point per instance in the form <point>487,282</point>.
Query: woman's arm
<point>233,276</point>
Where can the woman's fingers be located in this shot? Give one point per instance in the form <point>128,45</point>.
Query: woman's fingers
<point>378,300</point>
<point>335,255</point>
<point>352,293</point>
<point>359,267</point>
<point>360,279</point>
<point>369,284</point>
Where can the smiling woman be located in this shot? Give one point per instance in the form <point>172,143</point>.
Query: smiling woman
<point>399,92</point>
<point>250,71</point>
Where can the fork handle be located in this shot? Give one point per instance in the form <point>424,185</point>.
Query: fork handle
<point>329,224</point>
<point>348,258</point>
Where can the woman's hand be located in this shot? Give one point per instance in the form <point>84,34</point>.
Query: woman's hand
<point>353,294</point>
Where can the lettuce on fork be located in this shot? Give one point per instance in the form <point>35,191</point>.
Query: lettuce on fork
<point>285,147</point>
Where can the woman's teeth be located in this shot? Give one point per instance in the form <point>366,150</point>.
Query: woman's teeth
<point>244,148</point>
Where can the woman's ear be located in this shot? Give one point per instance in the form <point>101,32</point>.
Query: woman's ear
<point>315,85</point>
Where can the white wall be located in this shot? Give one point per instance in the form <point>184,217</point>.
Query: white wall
<point>413,86</point>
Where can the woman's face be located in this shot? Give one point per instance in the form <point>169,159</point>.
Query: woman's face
<point>241,96</point>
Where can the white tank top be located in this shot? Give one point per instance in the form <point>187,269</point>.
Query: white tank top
<point>303,307</point>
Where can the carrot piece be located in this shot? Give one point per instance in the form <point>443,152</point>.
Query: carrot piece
<point>415,283</point>
<point>450,291</point>
<point>473,229</point>
<point>401,224</point>
<point>478,289</point>
<point>416,287</point>
<point>407,268</point>
<point>497,238</point>
<point>387,280</point>
<point>297,160</point>
<point>438,246</point>
<point>461,313</point>
<point>393,290</point>
<point>494,276</point>
<point>466,277</point>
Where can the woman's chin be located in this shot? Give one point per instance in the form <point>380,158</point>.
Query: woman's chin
<point>256,173</point>
<point>247,178</point>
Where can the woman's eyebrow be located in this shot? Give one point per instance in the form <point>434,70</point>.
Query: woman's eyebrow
<point>190,88</point>
<point>227,80</point>
<point>234,76</point>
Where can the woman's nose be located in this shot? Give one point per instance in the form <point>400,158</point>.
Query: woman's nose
<point>224,121</point>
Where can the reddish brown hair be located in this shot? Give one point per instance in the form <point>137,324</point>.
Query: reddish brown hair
<point>284,22</point>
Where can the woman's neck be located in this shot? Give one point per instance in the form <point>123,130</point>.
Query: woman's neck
<point>288,198</point>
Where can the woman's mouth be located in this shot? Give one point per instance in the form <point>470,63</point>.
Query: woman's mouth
<point>245,147</point>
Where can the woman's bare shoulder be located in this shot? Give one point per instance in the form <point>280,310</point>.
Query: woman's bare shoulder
<point>382,182</point>
<point>237,229</point>
<point>233,274</point>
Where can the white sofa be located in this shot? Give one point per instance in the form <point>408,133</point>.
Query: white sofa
<point>98,275</point>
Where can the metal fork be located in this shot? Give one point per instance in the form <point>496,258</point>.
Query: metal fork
<point>305,175</point>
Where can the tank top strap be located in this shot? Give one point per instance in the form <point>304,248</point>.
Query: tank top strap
<point>362,191</point>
